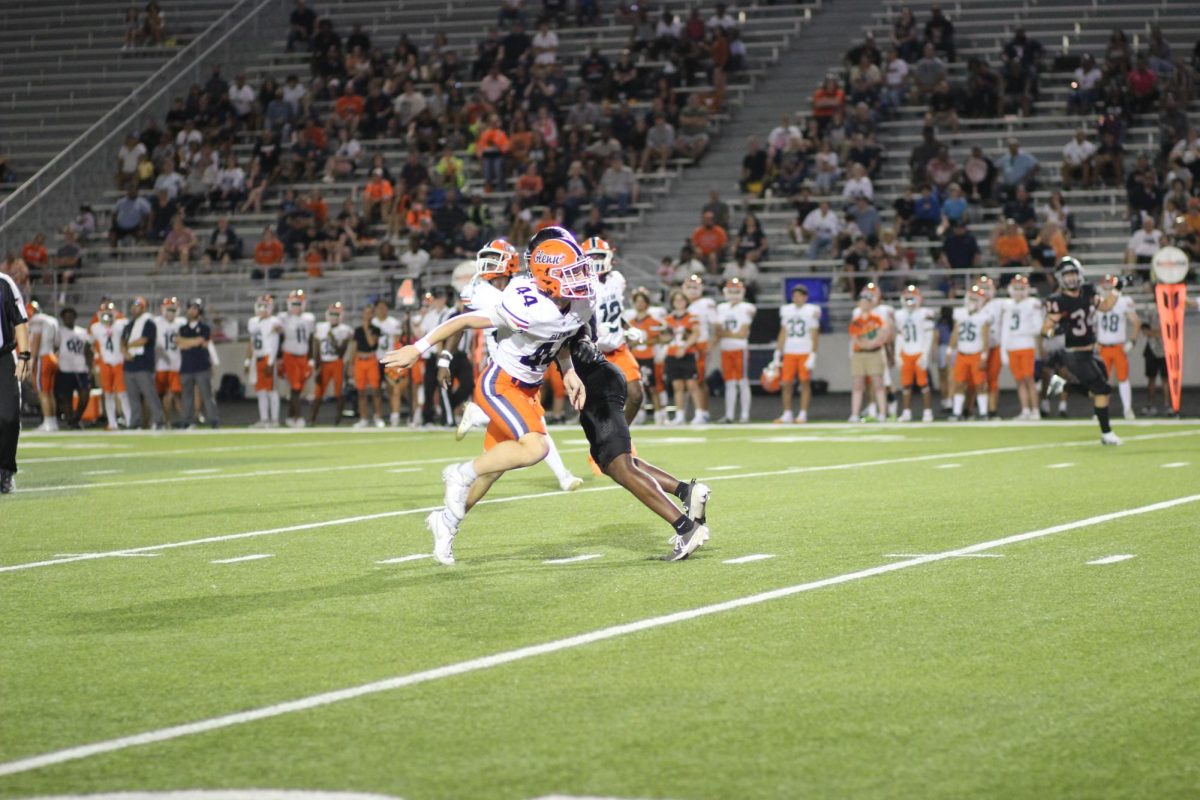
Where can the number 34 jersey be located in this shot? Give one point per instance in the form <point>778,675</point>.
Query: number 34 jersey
<point>610,302</point>
<point>531,328</point>
<point>1078,321</point>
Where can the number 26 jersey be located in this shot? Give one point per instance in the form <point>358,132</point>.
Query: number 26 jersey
<point>531,328</point>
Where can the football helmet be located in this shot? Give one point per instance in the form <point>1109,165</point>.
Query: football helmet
<point>559,267</point>
<point>1069,273</point>
<point>296,301</point>
<point>137,306</point>
<point>497,259</point>
<point>264,306</point>
<point>601,253</point>
<point>976,298</point>
<point>108,313</point>
<point>333,314</point>
<point>911,296</point>
<point>987,285</point>
<point>1018,287</point>
<point>770,380</point>
<point>693,288</point>
<point>872,291</point>
<point>735,290</point>
<point>170,308</point>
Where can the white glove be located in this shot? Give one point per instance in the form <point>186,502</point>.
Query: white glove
<point>923,361</point>
<point>635,336</point>
<point>812,361</point>
<point>1128,346</point>
<point>1004,356</point>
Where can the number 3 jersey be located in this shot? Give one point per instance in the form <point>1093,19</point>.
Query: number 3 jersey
<point>1022,324</point>
<point>799,323</point>
<point>970,329</point>
<point>531,328</point>
<point>1078,322</point>
<point>610,301</point>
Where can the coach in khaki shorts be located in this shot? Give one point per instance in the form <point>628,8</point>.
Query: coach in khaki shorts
<point>868,335</point>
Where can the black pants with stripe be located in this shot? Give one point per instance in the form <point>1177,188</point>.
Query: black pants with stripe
<point>10,412</point>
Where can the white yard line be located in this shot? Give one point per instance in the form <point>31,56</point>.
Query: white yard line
<point>948,466</point>
<point>748,559</point>
<point>571,642</point>
<point>402,559</point>
<point>926,555</point>
<point>573,559</point>
<point>1175,464</point>
<point>102,472</point>
<point>404,470</point>
<point>240,559</point>
<point>1063,465</point>
<point>725,468</point>
<point>201,471</point>
<point>1111,559</point>
<point>538,495</point>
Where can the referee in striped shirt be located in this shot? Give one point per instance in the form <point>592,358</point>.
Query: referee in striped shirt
<point>14,368</point>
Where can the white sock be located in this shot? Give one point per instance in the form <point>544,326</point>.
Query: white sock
<point>264,407</point>
<point>555,462</point>
<point>1062,404</point>
<point>273,399</point>
<point>744,391</point>
<point>451,521</point>
<point>127,411</point>
<point>110,409</point>
<point>1126,392</point>
<point>982,402</point>
<point>959,399</point>
<point>467,471</point>
<point>730,398</point>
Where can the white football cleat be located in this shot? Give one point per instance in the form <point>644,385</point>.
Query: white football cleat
<point>905,415</point>
<point>571,484</point>
<point>1057,384</point>
<point>927,415</point>
<point>696,505</point>
<point>1129,414</point>
<point>683,546</point>
<point>457,487</point>
<point>379,423</point>
<point>1110,438</point>
<point>472,417</point>
<point>443,537</point>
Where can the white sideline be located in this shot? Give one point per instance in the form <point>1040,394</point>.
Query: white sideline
<point>1111,559</point>
<point>507,657</point>
<point>573,559</point>
<point>240,559</point>
<point>538,495</point>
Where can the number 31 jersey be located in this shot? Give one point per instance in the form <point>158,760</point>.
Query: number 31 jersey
<point>610,302</point>
<point>531,328</point>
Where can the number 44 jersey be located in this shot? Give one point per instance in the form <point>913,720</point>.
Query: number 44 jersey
<point>531,328</point>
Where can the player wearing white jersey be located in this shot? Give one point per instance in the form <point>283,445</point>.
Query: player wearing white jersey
<point>329,345</point>
<point>704,311</point>
<point>1116,332</point>
<point>993,359</point>
<point>536,317</point>
<point>72,387</point>
<point>262,355</point>
<point>106,338</point>
<point>43,337</point>
<point>297,366</point>
<point>388,332</point>
<point>612,332</point>
<point>732,331</point>
<point>796,351</point>
<point>168,359</point>
<point>970,341</point>
<point>1020,333</point>
<point>916,340</point>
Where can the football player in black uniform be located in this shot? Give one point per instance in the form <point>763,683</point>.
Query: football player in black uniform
<point>1072,312</point>
<point>607,431</point>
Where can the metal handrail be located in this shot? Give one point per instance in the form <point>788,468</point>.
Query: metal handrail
<point>119,114</point>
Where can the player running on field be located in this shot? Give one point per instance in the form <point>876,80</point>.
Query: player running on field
<point>536,316</point>
<point>495,266</point>
<point>969,342</point>
<point>1020,342</point>
<point>1117,332</point>
<point>262,352</point>
<point>329,343</point>
<point>916,339</point>
<point>734,318</point>
<point>796,351</point>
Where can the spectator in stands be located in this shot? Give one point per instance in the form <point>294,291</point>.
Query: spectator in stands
<point>904,35</point>
<point>982,90</point>
<point>979,173</point>
<point>751,240</point>
<point>230,189</point>
<point>415,258</point>
<point>84,225</point>
<point>926,213</point>
<point>130,218</point>
<point>660,143</point>
<point>960,251</point>
<point>754,168</point>
<point>491,148</point>
<point>301,24</point>
<point>224,246</point>
<point>1144,243</point>
<point>344,160</point>
<point>954,206</point>
<point>68,259</point>
<point>1017,168</point>
<point>1019,84</point>
<point>243,99</point>
<point>928,73</point>
<point>128,158</point>
<point>826,101</point>
<point>1084,86</point>
<point>828,170</point>
<point>887,253</point>
<point>268,256</point>
<point>941,170</point>
<point>36,257</point>
<point>377,196</point>
<point>939,32</point>
<point>866,218</point>
<point>858,185</point>
<point>169,181</point>
<point>782,133</point>
<point>692,139</point>
<point>866,81</point>
<point>1143,87</point>
<point>163,213</point>
<point>1143,192</point>
<point>1020,209</point>
<point>1078,163</point>
<point>709,241</point>
<point>921,155</point>
<point>1010,246</point>
<point>1184,156</point>
<point>1057,211</point>
<point>896,81</point>
<point>820,229</point>
<point>1049,246</point>
<point>718,208</point>
<point>529,186</point>
<point>179,244</point>
<point>942,107</point>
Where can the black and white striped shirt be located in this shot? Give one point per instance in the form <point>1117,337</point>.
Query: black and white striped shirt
<point>12,313</point>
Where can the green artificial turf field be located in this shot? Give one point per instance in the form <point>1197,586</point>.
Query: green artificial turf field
<point>919,646</point>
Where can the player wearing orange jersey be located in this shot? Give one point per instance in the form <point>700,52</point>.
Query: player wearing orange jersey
<point>680,333</point>
<point>649,322</point>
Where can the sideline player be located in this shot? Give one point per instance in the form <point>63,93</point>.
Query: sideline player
<point>262,351</point>
<point>992,363</point>
<point>1020,337</point>
<point>367,370</point>
<point>681,333</point>
<point>43,339</point>
<point>388,332</point>
<point>1073,312</point>
<point>75,356</point>
<point>1117,332</point>
<point>330,341</point>
<point>535,317</point>
<point>495,267</point>
<point>916,338</point>
<point>106,338</point>
<point>704,311</point>
<point>969,341</point>
<point>168,359</point>
<point>299,325</point>
<point>796,351</point>
<point>649,320</point>
<point>734,318</point>
<point>611,333</point>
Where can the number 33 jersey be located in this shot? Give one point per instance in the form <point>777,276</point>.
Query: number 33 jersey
<point>531,328</point>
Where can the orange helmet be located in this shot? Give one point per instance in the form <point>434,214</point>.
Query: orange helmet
<point>872,291</point>
<point>693,288</point>
<point>559,267</point>
<point>170,307</point>
<point>297,300</point>
<point>264,306</point>
<point>333,314</point>
<point>735,290</point>
<point>497,259</point>
<point>108,312</point>
<point>976,298</point>
<point>987,285</point>
<point>1018,287</point>
<point>601,253</point>
<point>911,296</point>
<point>770,380</point>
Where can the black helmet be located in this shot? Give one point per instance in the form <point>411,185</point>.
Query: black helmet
<point>1069,265</point>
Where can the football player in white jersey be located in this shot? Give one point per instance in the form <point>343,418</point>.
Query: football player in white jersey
<point>167,358</point>
<point>495,266</point>
<point>1116,332</point>
<point>612,332</point>
<point>299,325</point>
<point>329,343</point>
<point>704,309</point>
<point>1020,334</point>
<point>262,354</point>
<point>970,341</point>
<point>388,331</point>
<point>73,385</point>
<point>796,351</point>
<point>43,339</point>
<point>732,331</point>
<point>994,358</point>
<point>916,340</point>
<point>106,338</point>
<point>536,316</point>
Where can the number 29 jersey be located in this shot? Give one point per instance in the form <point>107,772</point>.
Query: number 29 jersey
<point>531,328</point>
<point>610,302</point>
<point>1078,322</point>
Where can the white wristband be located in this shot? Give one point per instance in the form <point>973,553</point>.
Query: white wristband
<point>423,344</point>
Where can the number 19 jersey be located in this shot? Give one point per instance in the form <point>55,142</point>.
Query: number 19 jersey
<point>531,329</point>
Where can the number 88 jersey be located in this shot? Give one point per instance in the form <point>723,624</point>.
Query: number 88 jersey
<point>1078,322</point>
<point>531,328</point>
<point>610,304</point>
